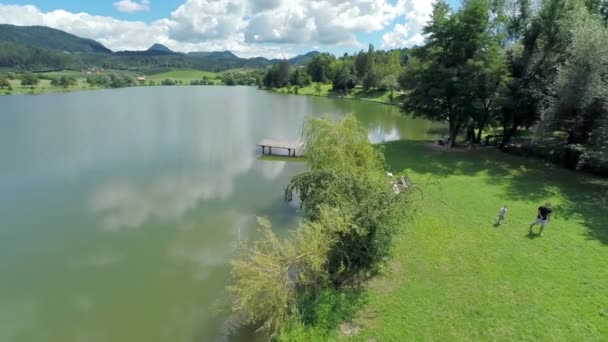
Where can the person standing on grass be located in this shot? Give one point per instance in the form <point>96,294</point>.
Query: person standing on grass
<point>502,212</point>
<point>542,218</point>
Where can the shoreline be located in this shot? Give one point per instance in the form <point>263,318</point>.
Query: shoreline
<point>57,90</point>
<point>356,94</point>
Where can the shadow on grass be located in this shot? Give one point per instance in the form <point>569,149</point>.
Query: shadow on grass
<point>532,236</point>
<point>586,197</point>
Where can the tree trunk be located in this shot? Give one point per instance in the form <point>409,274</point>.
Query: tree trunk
<point>478,138</point>
<point>454,128</point>
<point>507,135</point>
<point>471,133</point>
<point>482,124</point>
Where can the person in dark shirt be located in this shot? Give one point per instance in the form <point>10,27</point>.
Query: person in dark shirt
<point>542,218</point>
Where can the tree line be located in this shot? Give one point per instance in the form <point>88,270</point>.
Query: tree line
<point>530,75</point>
<point>514,65</point>
<point>372,69</point>
<point>117,79</point>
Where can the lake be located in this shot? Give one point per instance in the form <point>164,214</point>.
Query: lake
<point>120,209</point>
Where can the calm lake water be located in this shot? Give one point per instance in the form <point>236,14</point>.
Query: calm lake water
<point>120,209</point>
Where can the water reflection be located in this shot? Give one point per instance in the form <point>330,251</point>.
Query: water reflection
<point>378,135</point>
<point>128,203</point>
<point>17,316</point>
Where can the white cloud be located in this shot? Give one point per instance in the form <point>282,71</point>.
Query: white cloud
<point>319,22</point>
<point>130,6</point>
<point>199,20</point>
<point>401,37</point>
<point>416,14</point>
<point>272,28</point>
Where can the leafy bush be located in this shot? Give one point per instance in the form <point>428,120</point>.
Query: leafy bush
<point>268,274</point>
<point>321,313</point>
<point>64,81</point>
<point>351,214</point>
<point>594,162</point>
<point>168,82</point>
<point>29,79</point>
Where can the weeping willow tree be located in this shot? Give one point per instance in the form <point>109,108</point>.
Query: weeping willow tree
<point>268,274</point>
<point>351,215</point>
<point>346,174</point>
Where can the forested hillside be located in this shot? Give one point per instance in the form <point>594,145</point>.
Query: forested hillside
<point>37,48</point>
<point>49,38</point>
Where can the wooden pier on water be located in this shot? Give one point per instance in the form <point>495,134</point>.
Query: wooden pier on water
<point>292,146</point>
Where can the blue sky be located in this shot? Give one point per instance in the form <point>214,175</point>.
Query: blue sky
<point>270,28</point>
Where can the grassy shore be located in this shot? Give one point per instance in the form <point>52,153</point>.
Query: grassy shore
<point>455,275</point>
<point>184,75</point>
<point>44,85</point>
<point>357,93</point>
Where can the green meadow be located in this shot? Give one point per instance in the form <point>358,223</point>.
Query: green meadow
<point>357,93</point>
<point>456,275</point>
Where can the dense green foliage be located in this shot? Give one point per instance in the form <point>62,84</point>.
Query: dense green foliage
<point>49,38</point>
<point>21,57</point>
<point>250,78</point>
<point>457,75</point>
<point>64,81</point>
<point>29,79</point>
<point>498,67</point>
<point>514,65</point>
<point>372,69</point>
<point>4,83</point>
<point>112,80</point>
<point>351,215</point>
<point>278,75</point>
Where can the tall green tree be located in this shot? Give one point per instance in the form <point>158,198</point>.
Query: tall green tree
<point>460,66</point>
<point>487,76</point>
<point>300,77</point>
<point>344,76</point>
<point>533,64</point>
<point>4,82</point>
<point>580,102</point>
<point>29,79</point>
<point>361,64</point>
<point>319,68</point>
<point>278,75</point>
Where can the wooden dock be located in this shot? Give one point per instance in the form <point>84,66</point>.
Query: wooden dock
<point>290,145</point>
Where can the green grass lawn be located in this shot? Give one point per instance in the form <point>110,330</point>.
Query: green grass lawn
<point>185,75</point>
<point>44,86</point>
<point>456,276</point>
<point>358,93</point>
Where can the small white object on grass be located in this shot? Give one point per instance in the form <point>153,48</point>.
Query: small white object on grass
<point>389,174</point>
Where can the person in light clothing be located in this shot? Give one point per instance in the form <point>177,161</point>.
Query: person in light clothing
<point>502,212</point>
<point>542,218</point>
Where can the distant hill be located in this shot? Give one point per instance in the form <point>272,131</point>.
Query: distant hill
<point>42,48</point>
<point>303,59</point>
<point>154,50</point>
<point>160,48</point>
<point>215,54</point>
<point>49,38</point>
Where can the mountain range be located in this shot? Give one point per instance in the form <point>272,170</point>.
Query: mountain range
<point>54,43</point>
